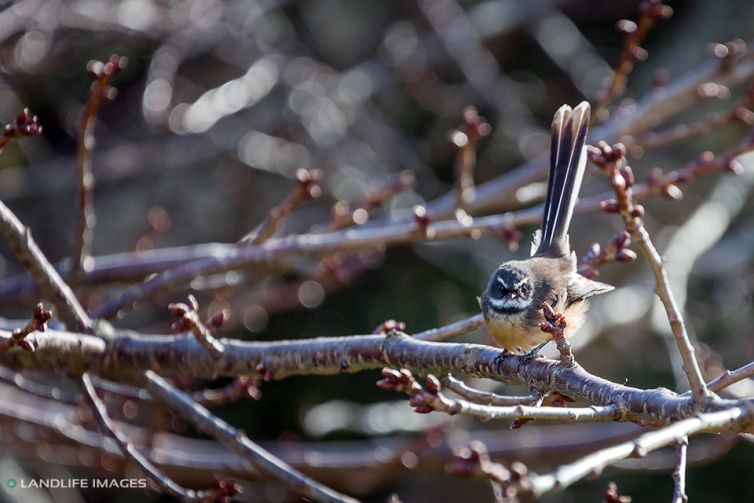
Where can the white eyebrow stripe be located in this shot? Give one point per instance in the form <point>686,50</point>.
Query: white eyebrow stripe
<point>502,281</point>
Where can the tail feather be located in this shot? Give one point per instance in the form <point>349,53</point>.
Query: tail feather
<point>567,163</point>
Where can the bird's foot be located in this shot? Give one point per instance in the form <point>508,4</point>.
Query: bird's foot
<point>499,358</point>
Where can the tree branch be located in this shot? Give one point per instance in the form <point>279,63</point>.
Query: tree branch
<point>731,419</point>
<point>166,484</point>
<point>429,397</point>
<point>622,180</point>
<point>102,73</point>
<point>485,397</point>
<point>731,377</point>
<point>679,474</point>
<point>129,354</point>
<point>306,188</point>
<point>51,285</point>
<point>650,12</point>
<point>237,441</point>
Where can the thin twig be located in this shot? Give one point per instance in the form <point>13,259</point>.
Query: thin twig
<point>731,377</point>
<point>37,388</point>
<point>740,113</point>
<point>485,397</point>
<point>452,330</point>
<point>222,257</point>
<point>38,322</point>
<point>51,285</point>
<point>466,139</point>
<point>102,73</point>
<point>306,188</point>
<point>188,320</point>
<point>166,484</point>
<point>238,388</point>
<point>555,324</point>
<point>429,398</point>
<point>622,179</point>
<point>679,474</point>
<point>25,124</point>
<point>340,241</point>
<point>565,475</point>
<point>650,12</point>
<point>345,215</point>
<point>237,441</point>
<point>474,461</point>
<point>614,251</point>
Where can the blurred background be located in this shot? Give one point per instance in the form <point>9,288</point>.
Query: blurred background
<point>221,103</point>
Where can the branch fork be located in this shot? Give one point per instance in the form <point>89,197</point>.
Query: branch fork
<point>613,164</point>
<point>188,320</point>
<point>37,323</point>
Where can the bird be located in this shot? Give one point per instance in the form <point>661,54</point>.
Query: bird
<point>512,303</point>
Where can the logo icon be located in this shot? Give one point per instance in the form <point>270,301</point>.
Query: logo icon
<point>11,483</point>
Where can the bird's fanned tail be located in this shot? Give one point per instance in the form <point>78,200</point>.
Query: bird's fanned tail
<point>567,163</point>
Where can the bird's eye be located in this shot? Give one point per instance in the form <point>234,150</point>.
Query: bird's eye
<point>525,290</point>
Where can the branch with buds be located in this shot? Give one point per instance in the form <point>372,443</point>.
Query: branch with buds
<point>188,320</point>
<point>102,74</point>
<point>37,323</point>
<point>615,251</point>
<point>466,139</point>
<point>555,324</point>
<point>622,180</point>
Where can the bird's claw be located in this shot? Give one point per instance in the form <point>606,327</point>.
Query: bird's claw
<point>534,353</point>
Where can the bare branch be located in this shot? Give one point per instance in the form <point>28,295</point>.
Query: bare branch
<point>306,188</point>
<point>25,124</point>
<point>458,328</point>
<point>622,180</point>
<point>466,139</point>
<point>614,251</point>
<point>731,377</point>
<point>51,285</point>
<point>485,397</point>
<point>129,354</point>
<point>429,398</point>
<point>555,324</point>
<point>102,74</point>
<point>741,113</point>
<point>679,474</point>
<point>344,215</point>
<point>33,387</point>
<point>650,12</point>
<point>188,319</point>
<point>38,322</point>
<point>166,484</point>
<point>240,387</point>
<point>343,241</point>
<point>222,257</point>
<point>237,441</point>
<point>566,475</point>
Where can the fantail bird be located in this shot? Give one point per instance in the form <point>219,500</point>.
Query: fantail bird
<point>517,290</point>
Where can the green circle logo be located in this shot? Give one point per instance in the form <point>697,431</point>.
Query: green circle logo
<point>11,483</point>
